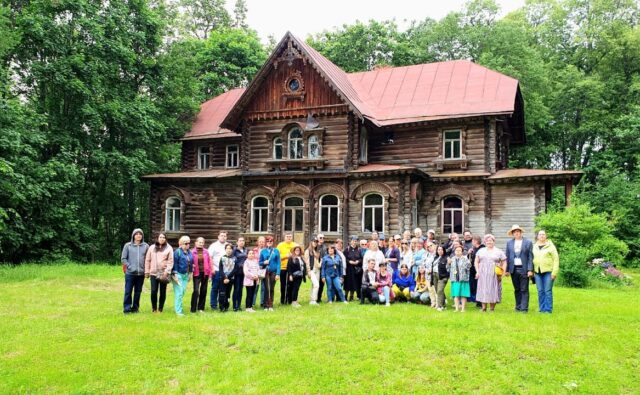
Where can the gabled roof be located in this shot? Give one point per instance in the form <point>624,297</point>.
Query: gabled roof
<point>386,96</point>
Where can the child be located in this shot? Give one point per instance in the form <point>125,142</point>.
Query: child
<point>421,293</point>
<point>460,268</point>
<point>251,269</point>
<point>228,270</point>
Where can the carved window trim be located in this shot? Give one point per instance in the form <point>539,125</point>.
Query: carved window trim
<point>459,191</point>
<point>443,210</point>
<point>461,162</point>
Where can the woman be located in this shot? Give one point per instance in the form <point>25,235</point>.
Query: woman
<point>240,253</point>
<point>418,253</point>
<point>157,266</point>
<point>421,293</point>
<point>460,289</point>
<point>406,255</point>
<point>546,265</point>
<point>440,276</point>
<point>312,260</point>
<point>201,274</point>
<point>427,260</point>
<point>373,252</point>
<point>369,285</point>
<point>403,283</point>
<point>332,274</point>
<point>353,279</point>
<point>296,268</point>
<point>228,270</point>
<point>384,281</point>
<point>251,270</point>
<point>490,263</point>
<point>182,269</point>
<point>270,264</point>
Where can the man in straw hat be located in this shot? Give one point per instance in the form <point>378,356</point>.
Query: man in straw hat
<point>519,253</point>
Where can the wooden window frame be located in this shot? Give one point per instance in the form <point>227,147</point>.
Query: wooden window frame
<point>330,207</point>
<point>237,156</point>
<point>203,151</point>
<point>452,210</point>
<point>373,222</point>
<point>262,218</point>
<point>298,140</point>
<point>176,213</point>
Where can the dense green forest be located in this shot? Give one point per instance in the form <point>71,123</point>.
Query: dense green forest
<point>95,94</point>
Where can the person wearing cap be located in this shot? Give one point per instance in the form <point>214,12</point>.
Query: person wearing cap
<point>392,255</point>
<point>133,256</point>
<point>332,274</point>
<point>285,247</point>
<point>322,250</point>
<point>269,260</point>
<point>313,262</point>
<point>519,254</point>
<point>353,278</point>
<point>374,253</point>
<point>382,242</point>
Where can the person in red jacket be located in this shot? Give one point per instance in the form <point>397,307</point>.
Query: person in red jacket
<point>201,274</point>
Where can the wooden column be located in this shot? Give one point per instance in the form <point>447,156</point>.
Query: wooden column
<point>568,189</point>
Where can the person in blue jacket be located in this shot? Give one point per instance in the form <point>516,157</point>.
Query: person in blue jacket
<point>270,262</point>
<point>132,258</point>
<point>181,271</point>
<point>519,254</point>
<point>403,283</point>
<point>331,274</point>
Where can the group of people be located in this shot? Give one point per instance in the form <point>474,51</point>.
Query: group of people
<point>408,268</point>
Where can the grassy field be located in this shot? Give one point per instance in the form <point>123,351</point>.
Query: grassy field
<point>62,331</point>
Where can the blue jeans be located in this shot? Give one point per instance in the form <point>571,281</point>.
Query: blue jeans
<point>179,289</point>
<point>544,283</point>
<point>386,293</point>
<point>132,284</point>
<point>333,285</point>
<point>215,284</point>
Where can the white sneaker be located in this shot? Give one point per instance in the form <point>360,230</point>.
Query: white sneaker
<point>270,308</point>
<point>387,304</point>
<point>313,302</point>
<point>330,302</point>
<point>345,302</point>
<point>250,310</point>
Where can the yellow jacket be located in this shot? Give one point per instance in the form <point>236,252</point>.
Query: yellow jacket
<point>546,259</point>
<point>285,249</point>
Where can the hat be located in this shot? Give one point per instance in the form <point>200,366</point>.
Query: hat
<point>381,235</point>
<point>513,228</point>
<point>431,231</point>
<point>397,237</point>
<point>353,237</point>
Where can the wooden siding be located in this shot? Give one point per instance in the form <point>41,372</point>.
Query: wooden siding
<point>335,142</point>
<point>512,204</point>
<point>422,145</point>
<point>218,148</point>
<point>207,208</point>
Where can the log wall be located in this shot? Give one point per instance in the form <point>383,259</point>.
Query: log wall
<point>512,204</point>
<point>217,148</point>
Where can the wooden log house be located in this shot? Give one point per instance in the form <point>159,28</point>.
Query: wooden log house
<point>310,149</point>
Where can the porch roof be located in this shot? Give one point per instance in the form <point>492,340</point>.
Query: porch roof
<point>509,175</point>
<point>196,174</point>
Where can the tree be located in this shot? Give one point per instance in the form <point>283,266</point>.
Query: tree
<point>201,17</point>
<point>240,15</point>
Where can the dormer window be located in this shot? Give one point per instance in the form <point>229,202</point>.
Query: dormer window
<point>277,148</point>
<point>204,158</point>
<point>295,143</point>
<point>232,156</point>
<point>452,144</point>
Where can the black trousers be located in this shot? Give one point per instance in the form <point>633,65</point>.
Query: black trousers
<point>285,289</point>
<point>250,292</point>
<point>473,283</point>
<point>521,288</point>
<point>269,283</point>
<point>132,285</point>
<point>224,292</point>
<point>158,305</point>
<point>238,281</point>
<point>295,287</point>
<point>199,295</point>
<point>369,294</point>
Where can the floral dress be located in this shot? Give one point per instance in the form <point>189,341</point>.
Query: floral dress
<point>489,287</point>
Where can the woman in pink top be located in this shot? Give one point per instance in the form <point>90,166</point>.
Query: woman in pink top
<point>201,275</point>
<point>251,269</point>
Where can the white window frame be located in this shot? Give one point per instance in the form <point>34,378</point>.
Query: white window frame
<point>278,142</point>
<point>329,207</point>
<point>373,212</point>
<point>172,215</point>
<point>231,156</point>
<point>295,142</point>
<point>263,218</point>
<point>204,158</point>
<point>452,211</point>
<point>313,140</point>
<point>451,142</point>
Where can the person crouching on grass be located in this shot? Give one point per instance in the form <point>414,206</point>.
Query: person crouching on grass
<point>332,274</point>
<point>251,270</point>
<point>228,269</point>
<point>421,293</point>
<point>460,270</point>
<point>369,285</point>
<point>403,283</point>
<point>384,281</point>
<point>182,269</point>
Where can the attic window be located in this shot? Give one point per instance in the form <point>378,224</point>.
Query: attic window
<point>294,84</point>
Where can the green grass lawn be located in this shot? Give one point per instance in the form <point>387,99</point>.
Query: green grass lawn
<point>62,331</point>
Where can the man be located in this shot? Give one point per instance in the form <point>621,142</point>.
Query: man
<point>448,246</point>
<point>363,247</point>
<point>322,250</point>
<point>467,244</point>
<point>132,258</point>
<point>382,244</point>
<point>476,242</point>
<point>284,248</point>
<point>216,251</point>
<point>519,254</point>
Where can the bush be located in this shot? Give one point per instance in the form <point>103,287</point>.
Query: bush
<point>581,236</point>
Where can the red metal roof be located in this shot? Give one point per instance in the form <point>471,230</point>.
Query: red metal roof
<point>386,96</point>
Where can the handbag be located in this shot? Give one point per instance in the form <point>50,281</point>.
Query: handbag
<point>163,278</point>
<point>297,274</point>
<point>499,271</point>
<point>262,273</point>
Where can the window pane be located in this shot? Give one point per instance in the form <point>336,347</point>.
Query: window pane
<point>456,149</point>
<point>333,219</point>
<point>173,203</point>
<point>368,219</point>
<point>457,221</point>
<point>277,148</point>
<point>233,148</point>
<point>324,219</point>
<point>452,135</point>
<point>452,202</point>
<point>260,202</point>
<point>287,220</point>
<point>293,202</point>
<point>295,134</point>
<point>372,200</point>
<point>298,227</point>
<point>378,219</point>
<point>331,200</point>
<point>446,220</point>
<point>256,220</point>
<point>447,150</point>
